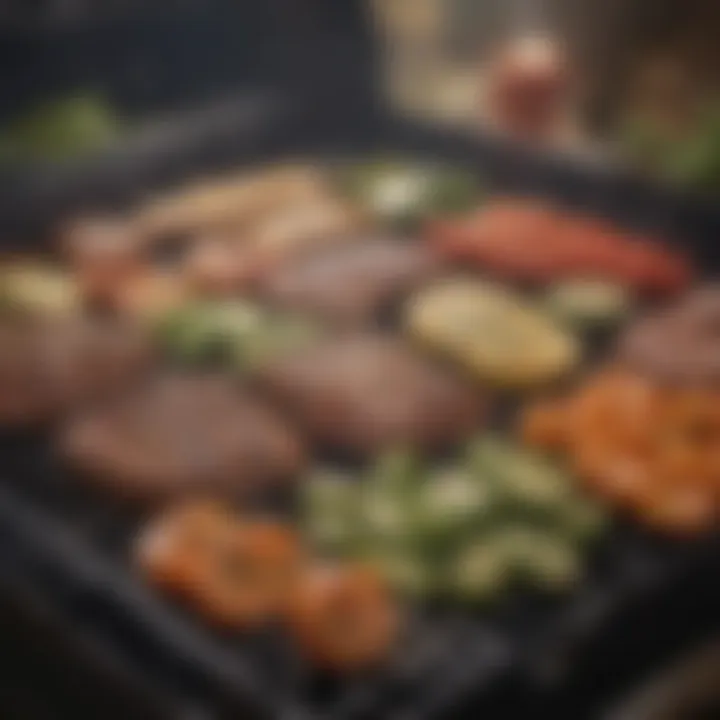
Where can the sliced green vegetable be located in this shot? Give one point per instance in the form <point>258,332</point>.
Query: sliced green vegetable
<point>521,478</point>
<point>480,571</point>
<point>463,531</point>
<point>539,558</point>
<point>235,332</point>
<point>586,304</point>
<point>452,501</point>
<point>400,470</point>
<point>330,509</point>
<point>387,514</point>
<point>205,331</point>
<point>583,520</point>
<point>389,495</point>
<point>403,193</point>
<point>486,452</point>
<point>407,570</point>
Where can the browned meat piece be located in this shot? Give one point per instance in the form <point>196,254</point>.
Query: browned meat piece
<point>360,394</point>
<point>183,435</point>
<point>351,284</point>
<point>47,367</point>
<point>680,345</point>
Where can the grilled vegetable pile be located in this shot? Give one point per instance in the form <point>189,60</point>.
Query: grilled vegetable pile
<point>236,333</point>
<point>499,516</point>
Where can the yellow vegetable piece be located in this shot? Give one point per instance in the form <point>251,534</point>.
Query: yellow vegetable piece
<point>492,332</point>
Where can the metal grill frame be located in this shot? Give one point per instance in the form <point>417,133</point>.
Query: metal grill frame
<point>539,648</point>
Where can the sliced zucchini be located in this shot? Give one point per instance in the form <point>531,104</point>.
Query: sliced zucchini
<point>465,532</point>
<point>451,501</point>
<point>535,484</point>
<point>403,193</point>
<point>388,503</point>
<point>229,327</point>
<point>539,558</point>
<point>588,304</point>
<point>236,332</point>
<point>522,479</point>
<point>485,453</point>
<point>235,319</point>
<point>330,508</point>
<point>407,571</point>
<point>209,330</point>
<point>398,470</point>
<point>583,519</point>
<point>398,194</point>
<point>387,515</point>
<point>481,570</point>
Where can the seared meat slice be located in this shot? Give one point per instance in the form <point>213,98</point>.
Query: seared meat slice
<point>49,366</point>
<point>351,284</point>
<point>362,393</point>
<point>181,435</point>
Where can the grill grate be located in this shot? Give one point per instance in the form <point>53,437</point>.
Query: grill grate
<point>447,654</point>
<point>82,542</point>
<point>264,664</point>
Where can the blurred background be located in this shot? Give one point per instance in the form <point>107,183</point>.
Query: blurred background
<point>636,76</point>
